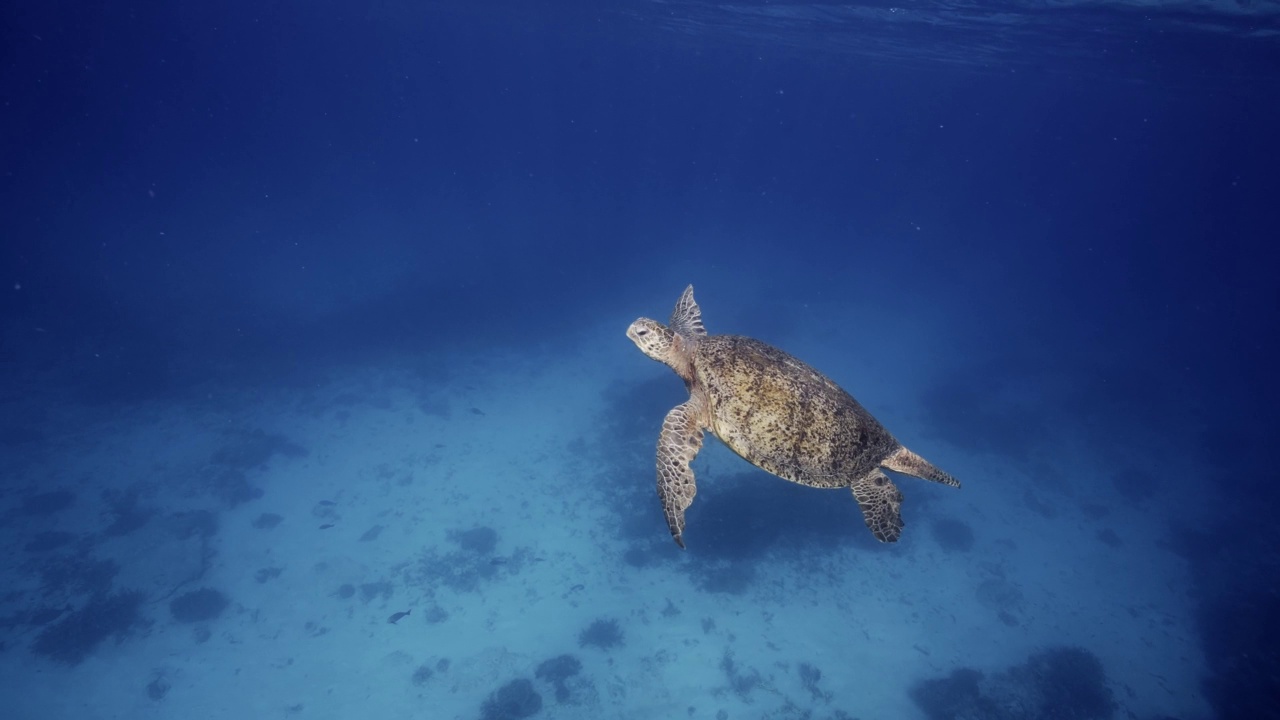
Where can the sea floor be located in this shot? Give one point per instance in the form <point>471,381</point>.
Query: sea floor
<point>256,543</point>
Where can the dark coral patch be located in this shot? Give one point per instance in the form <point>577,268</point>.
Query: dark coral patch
<point>266,521</point>
<point>75,636</point>
<point>48,540</point>
<point>557,671</point>
<point>198,605</point>
<point>517,699</point>
<point>603,633</point>
<point>1063,683</point>
<point>47,503</point>
<point>480,540</point>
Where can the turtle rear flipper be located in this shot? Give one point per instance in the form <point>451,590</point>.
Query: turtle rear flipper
<point>908,463</point>
<point>881,503</point>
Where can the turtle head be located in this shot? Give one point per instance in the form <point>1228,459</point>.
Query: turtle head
<point>653,338</point>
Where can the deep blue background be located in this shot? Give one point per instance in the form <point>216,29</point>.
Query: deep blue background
<point>243,190</point>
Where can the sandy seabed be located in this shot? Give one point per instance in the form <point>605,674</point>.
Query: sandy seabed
<point>483,494</point>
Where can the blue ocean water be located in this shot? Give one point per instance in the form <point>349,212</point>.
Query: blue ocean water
<point>316,399</point>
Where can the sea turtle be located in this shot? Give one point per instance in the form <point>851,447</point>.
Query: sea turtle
<point>776,412</point>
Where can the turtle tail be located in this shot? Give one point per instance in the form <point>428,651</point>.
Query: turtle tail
<point>908,463</point>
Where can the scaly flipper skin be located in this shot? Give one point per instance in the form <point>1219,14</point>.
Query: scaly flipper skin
<point>686,318</point>
<point>678,445</point>
<point>908,463</point>
<point>881,504</point>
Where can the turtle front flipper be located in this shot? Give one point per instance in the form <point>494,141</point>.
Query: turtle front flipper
<point>881,504</point>
<point>686,318</point>
<point>678,445</point>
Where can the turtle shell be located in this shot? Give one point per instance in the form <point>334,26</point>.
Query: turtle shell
<point>785,417</point>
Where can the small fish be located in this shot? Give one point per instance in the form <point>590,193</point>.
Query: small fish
<point>326,526</point>
<point>326,502</point>
<point>397,617</point>
<point>476,411</point>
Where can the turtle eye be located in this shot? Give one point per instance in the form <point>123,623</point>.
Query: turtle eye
<point>642,332</point>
